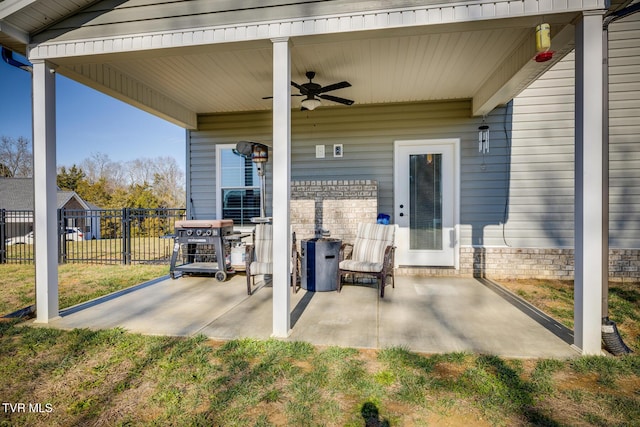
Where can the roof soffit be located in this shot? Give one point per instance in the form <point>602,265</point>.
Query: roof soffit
<point>233,62</point>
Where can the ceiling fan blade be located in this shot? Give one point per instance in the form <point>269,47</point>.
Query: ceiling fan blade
<point>334,87</point>
<point>303,90</point>
<point>336,99</point>
<point>293,94</point>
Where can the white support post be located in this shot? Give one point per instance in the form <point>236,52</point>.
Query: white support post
<point>281,186</point>
<point>44,182</point>
<point>591,202</point>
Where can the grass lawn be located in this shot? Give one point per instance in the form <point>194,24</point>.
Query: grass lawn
<point>77,282</point>
<point>58,378</point>
<point>555,297</point>
<point>105,250</point>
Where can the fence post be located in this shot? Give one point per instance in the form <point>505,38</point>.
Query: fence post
<point>126,236</point>
<point>3,236</point>
<point>62,238</point>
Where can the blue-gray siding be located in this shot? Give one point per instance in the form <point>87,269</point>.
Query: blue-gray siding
<point>367,134</point>
<point>520,194</point>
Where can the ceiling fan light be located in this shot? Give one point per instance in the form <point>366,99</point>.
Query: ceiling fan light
<point>311,103</point>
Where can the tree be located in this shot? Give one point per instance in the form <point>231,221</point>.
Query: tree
<point>5,172</point>
<point>139,183</point>
<point>141,196</point>
<point>70,179</point>
<point>168,182</point>
<point>100,166</point>
<point>96,193</point>
<point>15,156</point>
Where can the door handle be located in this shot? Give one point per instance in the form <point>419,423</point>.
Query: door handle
<point>401,213</point>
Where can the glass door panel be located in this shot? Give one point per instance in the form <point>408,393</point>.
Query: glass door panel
<point>425,215</point>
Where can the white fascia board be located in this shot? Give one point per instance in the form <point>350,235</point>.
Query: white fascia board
<point>116,84</point>
<point>519,70</point>
<point>432,14</point>
<point>14,32</point>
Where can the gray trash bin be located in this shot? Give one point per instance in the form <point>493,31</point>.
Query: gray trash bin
<point>320,264</point>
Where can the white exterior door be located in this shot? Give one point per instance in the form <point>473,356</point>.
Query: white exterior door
<point>426,182</point>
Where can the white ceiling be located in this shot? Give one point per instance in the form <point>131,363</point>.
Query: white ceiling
<point>436,62</point>
<point>382,67</point>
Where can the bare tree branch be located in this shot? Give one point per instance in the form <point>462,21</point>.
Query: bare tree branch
<point>16,157</point>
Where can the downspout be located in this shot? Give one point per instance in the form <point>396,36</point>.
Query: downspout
<point>610,336</point>
<point>7,56</point>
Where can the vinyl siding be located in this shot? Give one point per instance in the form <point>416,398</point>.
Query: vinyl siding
<point>521,194</point>
<point>367,134</point>
<point>542,180</point>
<point>624,132</point>
<point>542,157</point>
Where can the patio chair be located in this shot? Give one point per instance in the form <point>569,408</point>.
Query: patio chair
<point>259,257</point>
<point>371,254</point>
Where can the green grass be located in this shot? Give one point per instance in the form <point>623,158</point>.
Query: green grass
<point>106,250</point>
<point>555,297</point>
<point>116,378</point>
<point>77,282</point>
<point>111,377</point>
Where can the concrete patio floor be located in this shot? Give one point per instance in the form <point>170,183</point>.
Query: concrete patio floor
<point>431,315</point>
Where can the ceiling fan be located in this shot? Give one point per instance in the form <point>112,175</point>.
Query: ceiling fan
<point>313,91</point>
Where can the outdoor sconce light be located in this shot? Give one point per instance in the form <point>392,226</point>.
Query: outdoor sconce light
<point>483,138</point>
<point>311,103</point>
<point>259,153</point>
<point>543,43</point>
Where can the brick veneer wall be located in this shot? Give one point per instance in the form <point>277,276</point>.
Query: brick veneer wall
<point>519,263</point>
<point>337,206</point>
<point>340,205</point>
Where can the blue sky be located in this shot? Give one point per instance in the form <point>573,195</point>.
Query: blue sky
<point>88,122</point>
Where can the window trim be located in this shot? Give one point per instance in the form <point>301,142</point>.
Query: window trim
<point>219,187</point>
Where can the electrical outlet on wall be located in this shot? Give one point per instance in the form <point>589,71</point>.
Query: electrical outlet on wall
<point>337,150</point>
<point>319,151</point>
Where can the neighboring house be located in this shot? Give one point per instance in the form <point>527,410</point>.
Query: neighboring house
<point>16,197</point>
<point>424,75</point>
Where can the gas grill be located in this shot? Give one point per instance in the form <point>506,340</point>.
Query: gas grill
<point>196,239</point>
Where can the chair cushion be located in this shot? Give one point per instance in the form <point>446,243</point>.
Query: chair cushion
<point>371,242</point>
<point>361,266</point>
<point>261,268</point>
<point>263,243</point>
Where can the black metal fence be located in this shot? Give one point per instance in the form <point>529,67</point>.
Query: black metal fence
<point>104,236</point>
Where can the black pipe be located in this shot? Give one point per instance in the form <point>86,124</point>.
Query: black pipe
<point>612,340</point>
<point>7,56</point>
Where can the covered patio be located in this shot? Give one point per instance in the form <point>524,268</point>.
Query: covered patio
<point>430,315</point>
<point>185,63</point>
